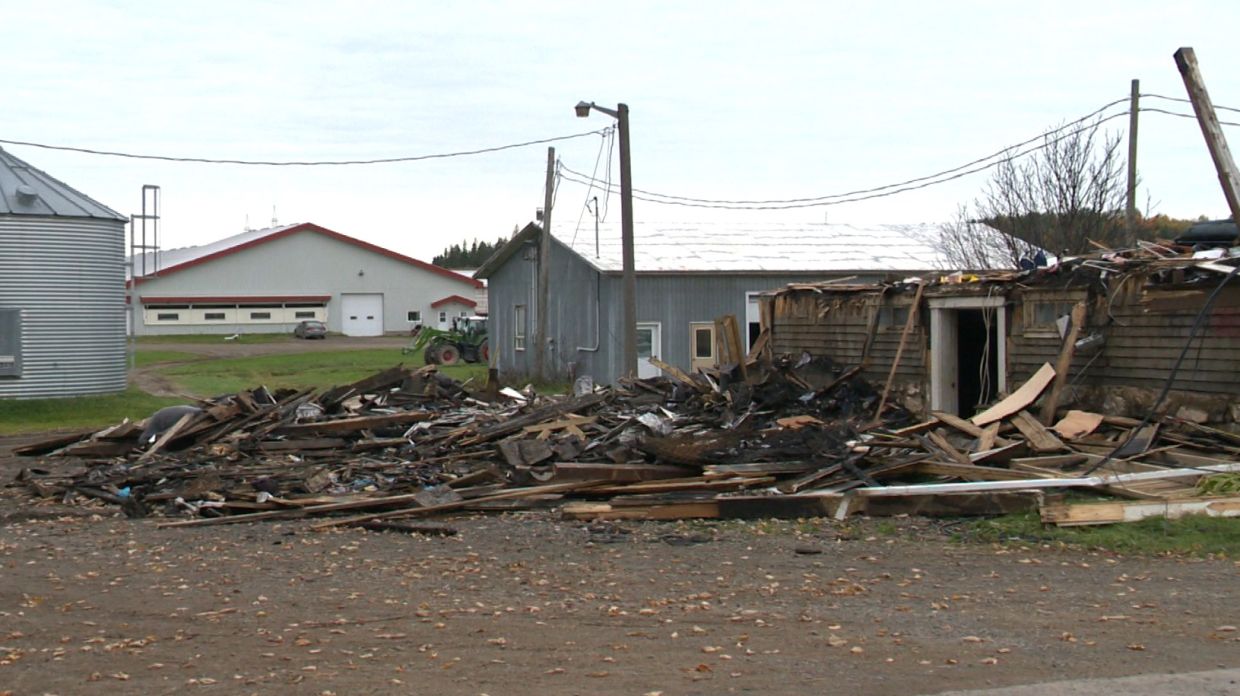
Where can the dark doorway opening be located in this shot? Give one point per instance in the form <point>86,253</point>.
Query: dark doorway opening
<point>977,356</point>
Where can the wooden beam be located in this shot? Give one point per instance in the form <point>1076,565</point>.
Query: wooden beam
<point>1019,399</point>
<point>895,363</point>
<point>1077,514</point>
<point>1038,437</point>
<point>1064,364</point>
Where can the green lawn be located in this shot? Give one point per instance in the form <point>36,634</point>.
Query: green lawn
<point>83,412</point>
<point>300,370</point>
<point>1195,535</point>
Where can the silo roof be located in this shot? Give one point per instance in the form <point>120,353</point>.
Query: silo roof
<point>26,190</point>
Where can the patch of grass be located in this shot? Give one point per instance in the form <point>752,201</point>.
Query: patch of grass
<point>144,357</point>
<point>218,338</point>
<point>300,370</point>
<point>83,412</point>
<point>1194,535</point>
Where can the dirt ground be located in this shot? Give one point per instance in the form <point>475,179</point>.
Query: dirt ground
<point>523,603</point>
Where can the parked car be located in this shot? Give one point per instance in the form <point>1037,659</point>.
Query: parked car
<point>310,329</point>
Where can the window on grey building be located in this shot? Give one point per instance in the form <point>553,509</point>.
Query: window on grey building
<point>414,316</point>
<point>518,327</point>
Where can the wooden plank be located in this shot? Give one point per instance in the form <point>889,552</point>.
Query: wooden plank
<point>1063,364</point>
<point>583,471</point>
<point>1077,424</point>
<point>563,423</point>
<point>988,438</point>
<point>1055,461</point>
<point>952,504</point>
<point>351,425</point>
<point>970,472</point>
<point>985,442</point>
<point>670,511</point>
<point>1079,514</point>
<point>1019,399</point>
<point>167,436</point>
<point>895,363</point>
<point>1038,437</point>
<point>948,448</point>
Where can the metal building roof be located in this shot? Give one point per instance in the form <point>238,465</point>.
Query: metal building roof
<point>168,261</point>
<point>25,190</point>
<point>750,247</point>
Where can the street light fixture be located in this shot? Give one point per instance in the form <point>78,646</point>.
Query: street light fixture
<point>621,114</point>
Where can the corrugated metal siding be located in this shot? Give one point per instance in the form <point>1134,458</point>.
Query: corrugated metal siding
<point>67,276</point>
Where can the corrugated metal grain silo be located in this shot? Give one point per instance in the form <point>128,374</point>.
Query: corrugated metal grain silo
<point>62,288</point>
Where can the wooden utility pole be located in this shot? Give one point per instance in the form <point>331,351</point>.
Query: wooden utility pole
<point>1216,143</point>
<point>544,273</point>
<point>628,264</point>
<point>1133,109</point>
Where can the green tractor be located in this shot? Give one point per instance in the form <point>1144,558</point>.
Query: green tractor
<point>466,341</point>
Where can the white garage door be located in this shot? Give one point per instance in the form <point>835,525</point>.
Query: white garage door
<point>361,315</point>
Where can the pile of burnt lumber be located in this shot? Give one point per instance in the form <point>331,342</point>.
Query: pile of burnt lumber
<point>795,438</point>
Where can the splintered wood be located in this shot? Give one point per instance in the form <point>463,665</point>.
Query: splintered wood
<point>799,437</point>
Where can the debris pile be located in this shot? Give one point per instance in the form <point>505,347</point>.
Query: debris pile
<point>794,438</point>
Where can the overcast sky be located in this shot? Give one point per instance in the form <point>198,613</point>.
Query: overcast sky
<point>729,100</point>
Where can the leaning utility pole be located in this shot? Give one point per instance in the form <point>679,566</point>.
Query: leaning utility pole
<point>544,272</point>
<point>1133,109</point>
<point>1216,143</point>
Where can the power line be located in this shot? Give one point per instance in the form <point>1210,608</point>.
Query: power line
<point>291,163</point>
<point>1187,101</point>
<point>598,158</point>
<point>864,195</point>
<point>1176,113</point>
<point>816,199</point>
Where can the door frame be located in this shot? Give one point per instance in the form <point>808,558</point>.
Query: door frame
<point>656,346</point>
<point>944,348</point>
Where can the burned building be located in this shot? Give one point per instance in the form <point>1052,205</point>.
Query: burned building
<point>1153,318</point>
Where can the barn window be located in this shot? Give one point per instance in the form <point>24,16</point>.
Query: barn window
<point>303,314</point>
<point>213,316</point>
<point>1041,314</point>
<point>518,327</point>
<point>414,316</point>
<point>260,315</point>
<point>168,316</point>
<point>703,341</point>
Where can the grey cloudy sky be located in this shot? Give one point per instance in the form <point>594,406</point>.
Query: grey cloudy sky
<point>729,100</point>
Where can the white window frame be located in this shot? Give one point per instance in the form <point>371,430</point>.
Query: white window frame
<point>694,328</point>
<point>518,327</point>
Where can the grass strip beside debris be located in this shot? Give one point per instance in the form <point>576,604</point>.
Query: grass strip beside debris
<point>18,416</point>
<point>1193,535</point>
<point>143,357</point>
<point>300,370</point>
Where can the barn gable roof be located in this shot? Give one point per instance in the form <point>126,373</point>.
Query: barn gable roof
<point>174,260</point>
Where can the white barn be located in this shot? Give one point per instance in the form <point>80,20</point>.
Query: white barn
<point>266,281</point>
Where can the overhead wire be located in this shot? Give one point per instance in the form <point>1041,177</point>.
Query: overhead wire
<point>593,175</point>
<point>878,192</point>
<point>998,154</point>
<point>303,163</point>
<point>1186,101</point>
<point>1155,110</point>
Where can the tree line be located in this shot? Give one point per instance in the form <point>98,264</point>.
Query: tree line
<point>468,256</point>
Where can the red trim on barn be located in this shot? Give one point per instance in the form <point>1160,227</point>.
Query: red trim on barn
<point>453,298</point>
<point>311,227</point>
<point>235,299</point>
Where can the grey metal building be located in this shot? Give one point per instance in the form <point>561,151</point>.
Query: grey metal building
<point>62,288</point>
<point>267,280</point>
<point>687,276</point>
